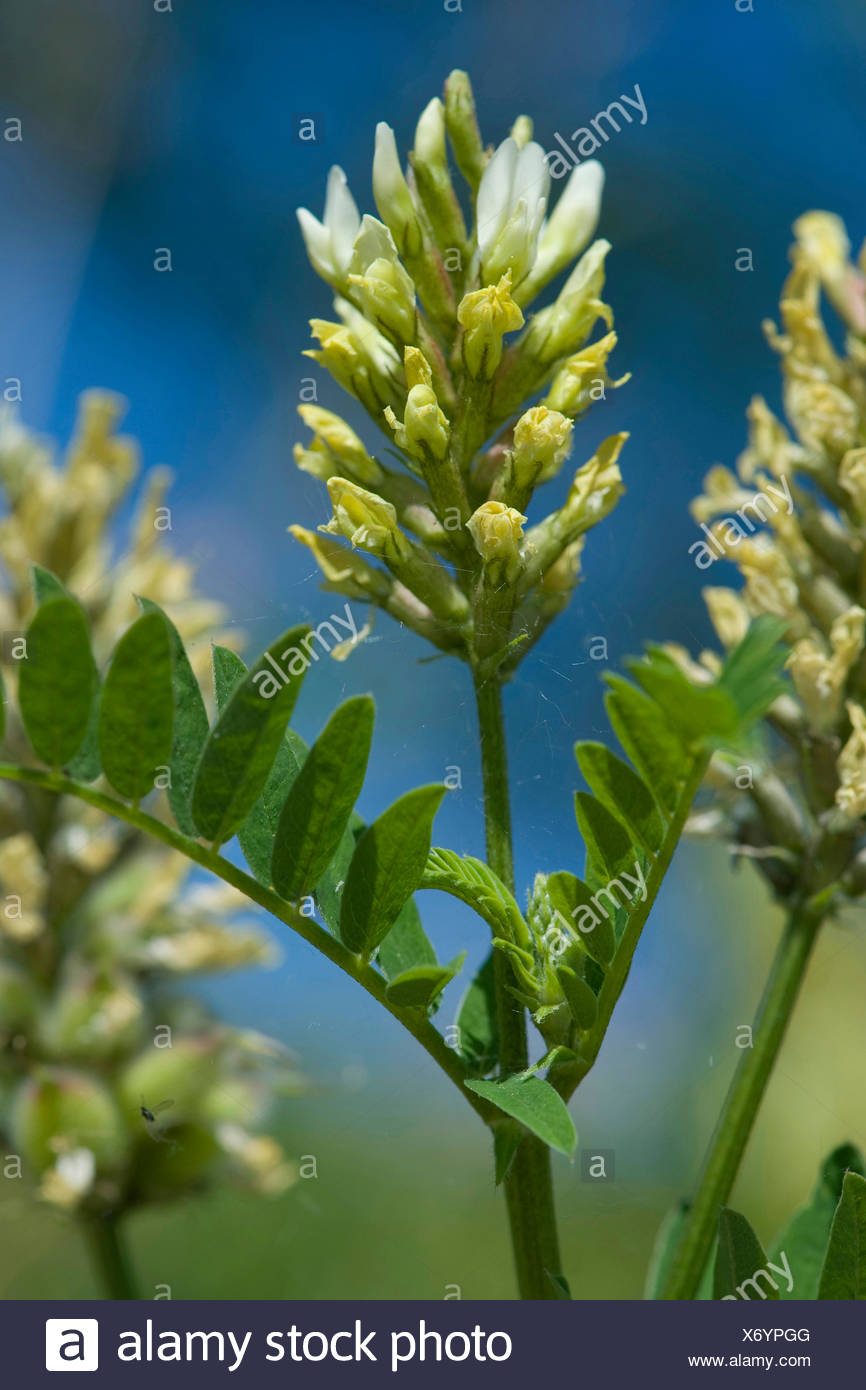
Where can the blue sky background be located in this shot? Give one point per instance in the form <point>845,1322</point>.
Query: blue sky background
<point>146,130</point>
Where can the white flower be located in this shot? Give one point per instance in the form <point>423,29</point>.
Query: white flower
<point>570,226</point>
<point>391,193</point>
<point>512,201</point>
<point>329,243</point>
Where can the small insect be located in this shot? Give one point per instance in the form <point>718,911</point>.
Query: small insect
<point>150,1115</point>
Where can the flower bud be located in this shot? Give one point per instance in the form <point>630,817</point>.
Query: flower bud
<point>582,378</point>
<point>329,242</point>
<point>564,326</point>
<point>486,315</point>
<point>568,229</point>
<point>92,1018</point>
<point>392,196</point>
<point>521,131</point>
<point>365,519</point>
<point>511,202</point>
<point>344,571</point>
<point>597,486</point>
<point>58,1110</point>
<point>497,531</point>
<point>542,442</point>
<point>182,1073</point>
<point>379,282</point>
<point>425,429</point>
<point>342,441</point>
<point>462,126</point>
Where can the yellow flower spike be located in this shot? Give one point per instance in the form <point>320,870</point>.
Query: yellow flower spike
<point>497,531</point>
<point>485,316</point>
<point>542,443</point>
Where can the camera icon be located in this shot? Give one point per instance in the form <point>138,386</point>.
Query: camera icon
<point>71,1344</point>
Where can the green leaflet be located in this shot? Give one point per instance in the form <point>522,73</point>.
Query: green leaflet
<point>243,743</point>
<point>320,800</point>
<point>406,945</point>
<point>329,890</point>
<point>256,835</point>
<point>608,845</point>
<point>386,868</point>
<point>740,1261</point>
<point>137,712</point>
<point>477,1023</point>
<point>585,914</point>
<point>535,1104</point>
<point>475,884</point>
<point>579,997</point>
<point>620,790</point>
<point>694,712</point>
<point>2,705</point>
<point>47,585</point>
<point>804,1239</point>
<point>844,1272</point>
<point>57,680</point>
<point>420,986</point>
<point>751,675</point>
<point>190,725</point>
<point>648,740</point>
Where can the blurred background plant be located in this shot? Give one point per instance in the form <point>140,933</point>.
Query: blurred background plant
<point>144,129</point>
<point>117,1088</point>
<point>794,801</point>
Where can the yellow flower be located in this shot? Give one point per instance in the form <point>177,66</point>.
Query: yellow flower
<point>485,316</point>
<point>497,531</point>
<point>366,520</point>
<point>542,443</point>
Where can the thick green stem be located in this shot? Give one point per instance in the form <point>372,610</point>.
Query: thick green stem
<point>109,1255</point>
<point>529,1182</point>
<point>742,1104</point>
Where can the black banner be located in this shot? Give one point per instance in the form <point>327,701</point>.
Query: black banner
<point>425,1344</point>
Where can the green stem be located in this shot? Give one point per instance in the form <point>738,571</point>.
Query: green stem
<point>529,1182</point>
<point>109,1255</point>
<point>413,1020</point>
<point>742,1103</point>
